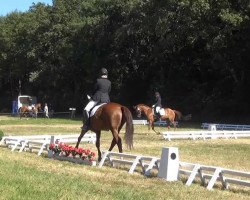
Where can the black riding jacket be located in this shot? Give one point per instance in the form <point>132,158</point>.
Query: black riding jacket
<point>158,101</point>
<point>102,90</point>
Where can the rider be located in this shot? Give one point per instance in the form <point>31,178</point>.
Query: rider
<point>101,94</point>
<point>31,106</point>
<point>157,106</point>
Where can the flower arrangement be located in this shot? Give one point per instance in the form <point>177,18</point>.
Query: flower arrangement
<point>67,150</point>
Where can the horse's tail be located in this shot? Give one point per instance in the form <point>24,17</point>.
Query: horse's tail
<point>182,117</point>
<point>129,127</point>
<point>178,113</point>
<point>187,117</point>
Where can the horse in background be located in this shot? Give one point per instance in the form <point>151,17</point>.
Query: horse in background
<point>26,111</point>
<point>111,116</point>
<point>170,115</point>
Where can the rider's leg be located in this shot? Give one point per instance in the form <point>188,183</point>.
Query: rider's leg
<point>86,110</point>
<point>157,111</point>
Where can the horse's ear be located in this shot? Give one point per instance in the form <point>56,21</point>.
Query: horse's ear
<point>134,107</point>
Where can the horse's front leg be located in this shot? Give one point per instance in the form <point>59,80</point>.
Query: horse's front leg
<point>83,131</point>
<point>151,122</point>
<point>153,125</point>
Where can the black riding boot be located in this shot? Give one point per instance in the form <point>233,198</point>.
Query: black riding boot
<point>157,116</point>
<point>85,119</point>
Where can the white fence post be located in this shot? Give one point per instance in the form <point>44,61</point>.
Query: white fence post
<point>169,164</point>
<point>52,141</point>
<point>212,128</point>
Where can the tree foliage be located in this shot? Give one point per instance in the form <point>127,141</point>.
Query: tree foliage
<point>196,53</point>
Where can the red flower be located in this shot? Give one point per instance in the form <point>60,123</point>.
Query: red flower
<point>51,146</point>
<point>87,152</point>
<point>60,145</point>
<point>80,150</point>
<point>84,154</point>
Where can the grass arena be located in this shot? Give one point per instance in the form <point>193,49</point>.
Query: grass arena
<point>28,176</point>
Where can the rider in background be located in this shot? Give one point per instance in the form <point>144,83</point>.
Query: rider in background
<point>31,106</point>
<point>101,95</point>
<point>157,106</point>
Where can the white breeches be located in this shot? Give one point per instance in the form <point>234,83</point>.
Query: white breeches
<point>90,105</point>
<point>157,109</point>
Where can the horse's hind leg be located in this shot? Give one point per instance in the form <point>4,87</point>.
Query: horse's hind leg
<point>173,122</point>
<point>97,144</point>
<point>116,140</point>
<point>113,143</point>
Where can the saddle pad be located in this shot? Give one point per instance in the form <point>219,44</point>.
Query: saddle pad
<point>95,109</point>
<point>162,111</point>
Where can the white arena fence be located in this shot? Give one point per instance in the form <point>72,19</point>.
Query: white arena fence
<point>140,122</point>
<point>146,163</point>
<point>205,134</point>
<point>226,126</point>
<point>209,176</point>
<point>157,123</point>
<point>41,143</point>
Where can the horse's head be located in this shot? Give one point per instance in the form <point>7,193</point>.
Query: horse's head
<point>138,110</point>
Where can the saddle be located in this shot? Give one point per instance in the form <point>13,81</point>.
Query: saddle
<point>94,109</point>
<point>157,115</point>
<point>87,116</point>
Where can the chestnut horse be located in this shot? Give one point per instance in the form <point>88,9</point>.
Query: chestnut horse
<point>111,116</point>
<point>169,114</point>
<point>26,111</point>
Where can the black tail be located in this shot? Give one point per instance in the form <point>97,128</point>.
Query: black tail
<point>182,117</point>
<point>129,127</point>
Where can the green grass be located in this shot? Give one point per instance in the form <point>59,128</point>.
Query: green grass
<point>1,134</point>
<point>27,176</point>
<point>43,121</point>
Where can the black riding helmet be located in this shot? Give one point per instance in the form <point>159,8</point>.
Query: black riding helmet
<point>103,71</point>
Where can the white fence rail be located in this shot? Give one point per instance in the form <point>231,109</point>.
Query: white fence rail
<point>146,163</point>
<point>41,142</point>
<point>226,126</point>
<point>157,123</point>
<point>208,175</point>
<point>140,122</point>
<point>204,134</point>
